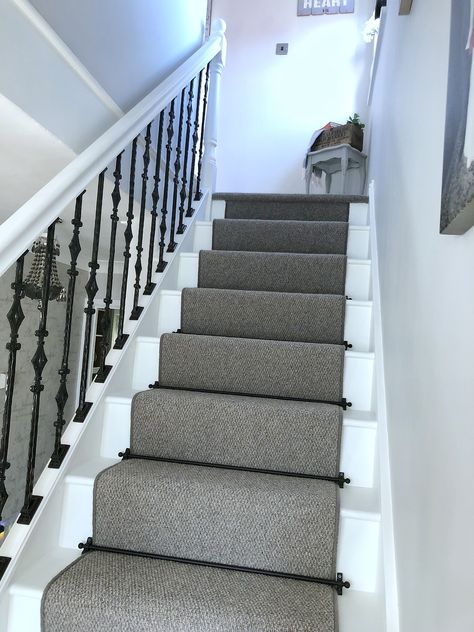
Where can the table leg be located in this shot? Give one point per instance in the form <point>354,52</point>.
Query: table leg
<point>328,182</point>
<point>344,165</point>
<point>309,173</point>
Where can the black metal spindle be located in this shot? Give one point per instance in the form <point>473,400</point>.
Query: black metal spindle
<point>198,195</point>
<point>137,309</point>
<point>194,150</point>
<point>164,210</point>
<point>184,179</point>
<point>177,170</point>
<point>15,318</point>
<point>62,395</point>
<point>105,343</point>
<point>38,361</point>
<point>128,235</point>
<point>91,290</point>
<point>149,287</point>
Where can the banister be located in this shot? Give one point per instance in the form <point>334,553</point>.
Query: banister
<point>34,217</point>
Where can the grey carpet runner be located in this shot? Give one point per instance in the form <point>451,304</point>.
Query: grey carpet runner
<point>228,496</point>
<point>280,236</point>
<point>266,315</point>
<point>288,207</point>
<point>272,271</point>
<point>274,368</point>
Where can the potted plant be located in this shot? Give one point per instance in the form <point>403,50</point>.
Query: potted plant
<point>352,133</point>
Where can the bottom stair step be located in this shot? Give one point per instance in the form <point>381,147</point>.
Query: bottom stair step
<point>105,591</point>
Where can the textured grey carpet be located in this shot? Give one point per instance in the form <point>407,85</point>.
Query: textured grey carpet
<point>280,236</point>
<point>267,324</point>
<point>271,271</point>
<point>106,592</point>
<point>277,523</point>
<point>289,436</point>
<point>296,207</point>
<point>252,367</point>
<point>265,315</point>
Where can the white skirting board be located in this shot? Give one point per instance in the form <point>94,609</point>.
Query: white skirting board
<point>388,538</point>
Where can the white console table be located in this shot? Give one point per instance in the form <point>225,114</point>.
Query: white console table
<point>334,159</point>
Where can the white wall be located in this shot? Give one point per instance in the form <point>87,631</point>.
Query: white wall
<point>272,104</point>
<point>428,314</point>
<point>74,66</point>
<point>29,157</point>
<point>128,46</point>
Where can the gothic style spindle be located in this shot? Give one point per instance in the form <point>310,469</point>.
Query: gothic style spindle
<point>62,395</point>
<point>184,179</point>
<point>154,214</point>
<point>91,290</point>
<point>104,369</point>
<point>137,310</point>
<point>128,234</point>
<point>38,361</point>
<point>177,169</point>
<point>15,318</point>
<point>190,211</point>
<point>201,144</point>
<point>164,210</point>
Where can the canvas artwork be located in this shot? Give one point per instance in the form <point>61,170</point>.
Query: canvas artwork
<point>457,203</point>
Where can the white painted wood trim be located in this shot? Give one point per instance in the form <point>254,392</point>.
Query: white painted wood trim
<point>20,229</point>
<point>53,39</point>
<point>388,540</point>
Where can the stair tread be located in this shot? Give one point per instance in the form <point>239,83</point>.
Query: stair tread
<point>168,596</point>
<point>272,271</point>
<point>272,522</point>
<point>280,236</point>
<point>288,206</point>
<point>271,368</point>
<point>291,436</point>
<point>265,315</point>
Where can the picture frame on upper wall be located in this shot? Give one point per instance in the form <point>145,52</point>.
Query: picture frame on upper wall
<point>457,197</point>
<point>405,7</point>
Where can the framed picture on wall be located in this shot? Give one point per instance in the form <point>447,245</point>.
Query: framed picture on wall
<point>457,202</point>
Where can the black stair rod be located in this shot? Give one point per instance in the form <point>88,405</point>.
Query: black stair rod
<point>177,170</point>
<point>194,150</point>
<point>39,360</point>
<point>137,309</point>
<point>340,479</point>
<point>91,288</point>
<point>164,210</point>
<point>15,317</point>
<point>105,342</point>
<point>149,287</point>
<point>198,195</point>
<point>184,179</point>
<point>121,338</point>
<point>338,584</point>
<point>60,450</point>
<point>343,403</point>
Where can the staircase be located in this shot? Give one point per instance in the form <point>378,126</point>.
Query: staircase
<point>224,512</point>
<point>221,471</point>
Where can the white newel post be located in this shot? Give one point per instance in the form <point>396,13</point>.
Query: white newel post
<point>212,116</point>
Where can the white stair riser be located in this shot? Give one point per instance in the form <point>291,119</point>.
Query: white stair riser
<point>357,328</point>
<point>358,372</point>
<point>358,212</point>
<point>358,276</point>
<point>357,243</point>
<point>358,550</point>
<point>358,448</point>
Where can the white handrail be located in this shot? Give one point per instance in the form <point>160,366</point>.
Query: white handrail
<point>30,220</point>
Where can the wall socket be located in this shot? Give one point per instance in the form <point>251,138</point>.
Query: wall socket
<point>282,49</point>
